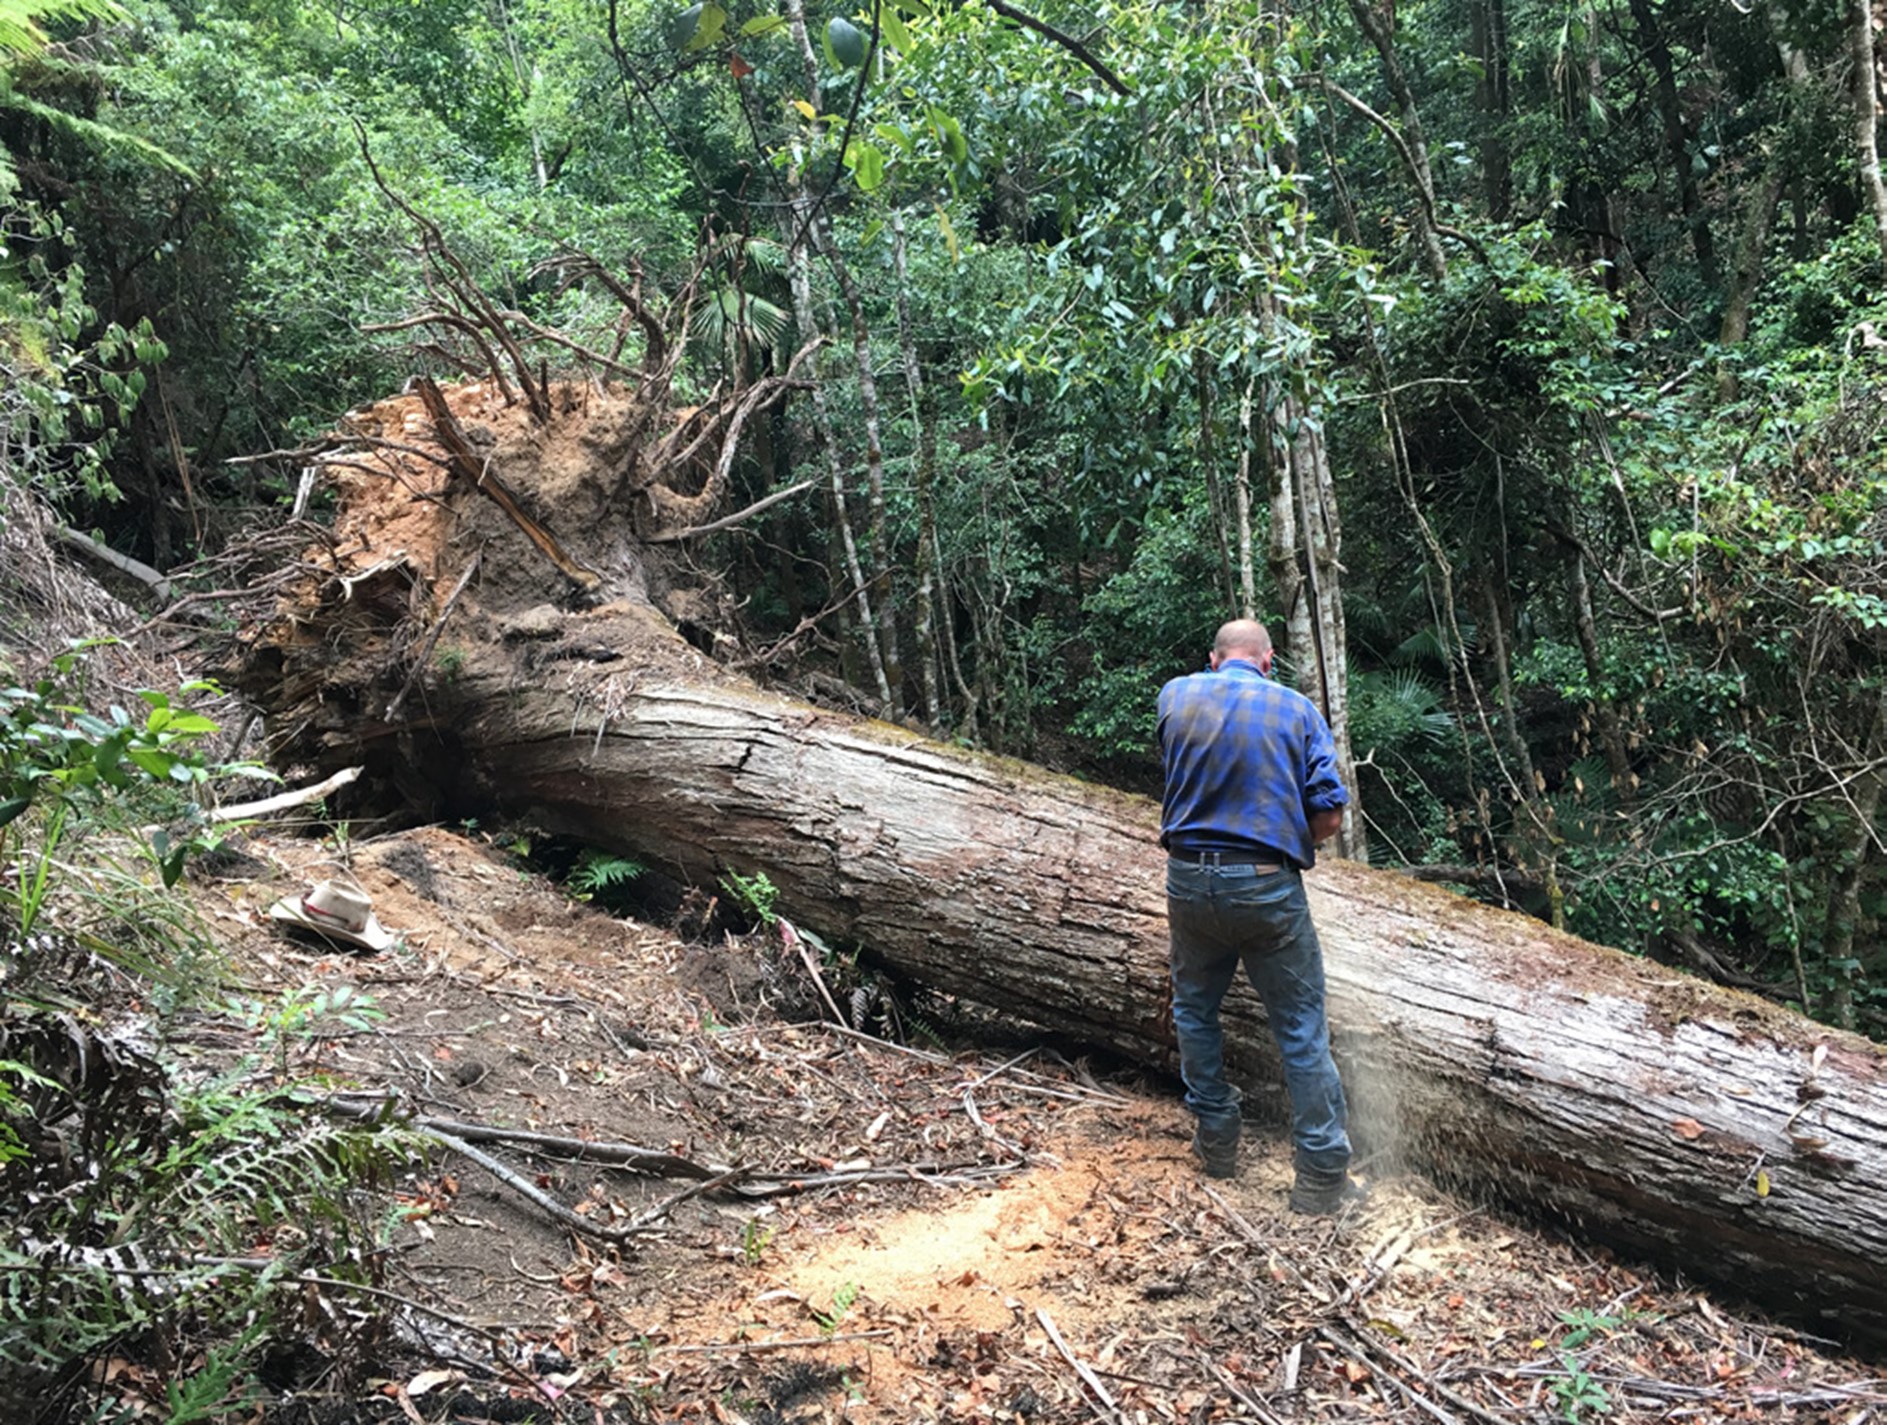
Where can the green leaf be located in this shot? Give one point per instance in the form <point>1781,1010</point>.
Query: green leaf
<point>682,28</point>
<point>760,25</point>
<point>949,135</point>
<point>949,235</point>
<point>896,31</point>
<point>867,165</point>
<point>157,764</point>
<point>11,808</point>
<point>708,29</point>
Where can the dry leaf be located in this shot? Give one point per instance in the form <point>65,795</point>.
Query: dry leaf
<point>1687,1128</point>
<point>1356,1371</point>
<point>1818,1058</point>
<point>429,1380</point>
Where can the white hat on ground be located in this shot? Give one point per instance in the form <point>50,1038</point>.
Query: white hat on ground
<point>337,910</point>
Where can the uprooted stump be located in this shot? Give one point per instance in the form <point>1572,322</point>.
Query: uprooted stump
<point>440,644</point>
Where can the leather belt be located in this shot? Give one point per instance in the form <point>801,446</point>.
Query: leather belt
<point>1224,858</point>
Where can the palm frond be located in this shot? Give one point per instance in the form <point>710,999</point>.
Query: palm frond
<point>730,310</point>
<point>1427,645</point>
<point>1392,709</point>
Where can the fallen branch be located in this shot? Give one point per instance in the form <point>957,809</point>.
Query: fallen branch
<point>759,1185</point>
<point>525,1188</point>
<point>748,1183</point>
<point>648,1160</point>
<point>282,801</point>
<point>650,1216</point>
<point>729,521</point>
<point>105,554</point>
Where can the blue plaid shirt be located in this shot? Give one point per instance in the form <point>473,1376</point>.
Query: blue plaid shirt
<point>1247,760</point>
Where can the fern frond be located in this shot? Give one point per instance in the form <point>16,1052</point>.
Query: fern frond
<point>90,131</point>
<point>599,870</point>
<point>280,1165</point>
<point>21,21</point>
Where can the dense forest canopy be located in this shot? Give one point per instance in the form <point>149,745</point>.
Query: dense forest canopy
<point>1521,364</point>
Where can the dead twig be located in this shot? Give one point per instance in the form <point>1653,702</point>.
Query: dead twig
<point>797,940</point>
<point>647,1218</point>
<point>1382,1348</point>
<point>1376,1372</point>
<point>969,1107</point>
<point>489,1334</point>
<point>749,1347</point>
<point>1111,1409</point>
<point>1236,1391</point>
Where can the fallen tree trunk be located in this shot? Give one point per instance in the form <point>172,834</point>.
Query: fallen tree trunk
<point>1696,1125</point>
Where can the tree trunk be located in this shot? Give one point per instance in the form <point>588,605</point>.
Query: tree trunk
<point>1605,714</point>
<point>1493,95</point>
<point>1867,113</point>
<point>1749,269</point>
<point>1377,28</point>
<point>806,317</point>
<point>1677,138</point>
<point>924,421</point>
<point>812,212</point>
<point>1672,1118</point>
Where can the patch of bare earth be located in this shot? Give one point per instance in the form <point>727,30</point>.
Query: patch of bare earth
<point>884,1233</point>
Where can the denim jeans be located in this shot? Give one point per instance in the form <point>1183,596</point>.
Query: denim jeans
<point>1219,916</point>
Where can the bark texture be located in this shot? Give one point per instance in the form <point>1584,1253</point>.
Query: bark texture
<point>1697,1125</point>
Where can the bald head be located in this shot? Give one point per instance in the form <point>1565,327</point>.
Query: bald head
<point>1242,638</point>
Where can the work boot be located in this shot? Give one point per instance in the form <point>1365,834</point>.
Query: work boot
<point>1322,1192</point>
<point>1216,1148</point>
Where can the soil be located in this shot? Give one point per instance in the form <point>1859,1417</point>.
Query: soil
<point>894,1232</point>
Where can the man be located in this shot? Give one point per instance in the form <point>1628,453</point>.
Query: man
<point>1251,789</point>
